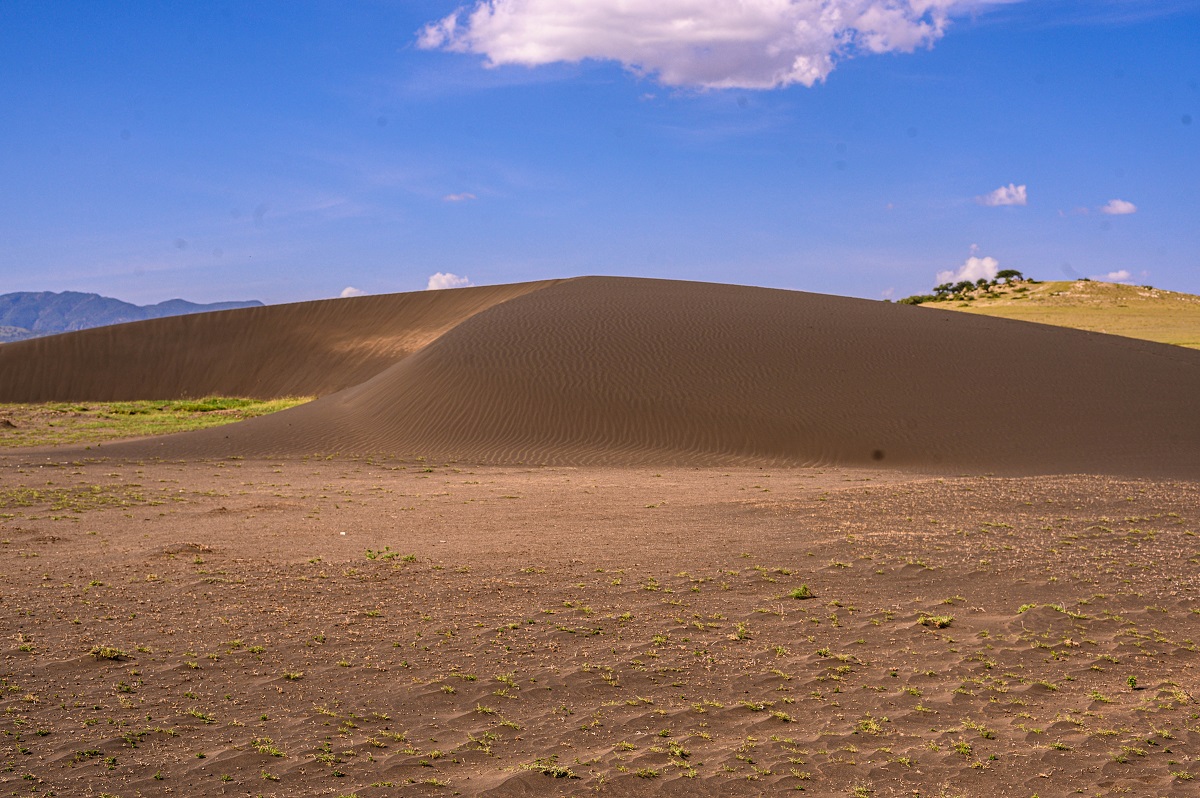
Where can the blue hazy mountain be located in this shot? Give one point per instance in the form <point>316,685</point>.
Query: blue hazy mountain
<point>29,314</point>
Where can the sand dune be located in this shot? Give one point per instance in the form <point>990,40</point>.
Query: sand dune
<point>618,370</point>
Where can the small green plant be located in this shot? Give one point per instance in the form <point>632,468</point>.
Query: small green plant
<point>264,745</point>
<point>108,652</point>
<point>802,592</point>
<point>870,725</point>
<point>549,767</point>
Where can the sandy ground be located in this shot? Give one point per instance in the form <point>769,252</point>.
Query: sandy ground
<point>390,627</point>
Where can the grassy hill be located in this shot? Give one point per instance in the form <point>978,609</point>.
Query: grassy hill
<point>1130,310</point>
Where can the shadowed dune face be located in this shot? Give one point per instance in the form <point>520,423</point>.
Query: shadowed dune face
<point>617,370</point>
<point>302,349</point>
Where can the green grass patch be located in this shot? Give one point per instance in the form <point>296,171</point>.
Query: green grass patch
<point>89,423</point>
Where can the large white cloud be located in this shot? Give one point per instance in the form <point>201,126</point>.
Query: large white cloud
<point>1012,194</point>
<point>975,268</point>
<point>443,280</point>
<point>752,44</point>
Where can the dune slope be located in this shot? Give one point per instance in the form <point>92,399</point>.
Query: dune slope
<point>301,349</point>
<point>616,370</point>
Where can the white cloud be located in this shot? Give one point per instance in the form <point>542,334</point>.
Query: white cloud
<point>721,44</point>
<point>1011,194</point>
<point>464,197</point>
<point>1114,277</point>
<point>350,290</point>
<point>446,280</point>
<point>973,269</point>
<point>1119,207</point>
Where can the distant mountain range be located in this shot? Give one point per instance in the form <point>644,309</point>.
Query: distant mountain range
<point>33,314</point>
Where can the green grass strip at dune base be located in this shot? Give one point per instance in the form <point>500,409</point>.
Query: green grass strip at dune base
<point>87,423</point>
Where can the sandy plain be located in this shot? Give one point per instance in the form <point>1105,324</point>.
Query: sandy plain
<point>676,597</point>
<point>379,627</point>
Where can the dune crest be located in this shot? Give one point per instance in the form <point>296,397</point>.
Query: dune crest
<point>301,349</point>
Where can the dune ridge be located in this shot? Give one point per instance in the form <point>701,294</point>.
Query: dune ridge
<point>300,349</point>
<point>618,370</point>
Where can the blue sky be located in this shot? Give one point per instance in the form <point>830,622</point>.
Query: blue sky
<point>286,151</point>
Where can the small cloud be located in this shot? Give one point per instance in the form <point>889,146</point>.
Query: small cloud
<point>466,196</point>
<point>1120,276</point>
<point>1012,194</point>
<point>1119,207</point>
<point>972,269</point>
<point>442,280</point>
<point>350,291</point>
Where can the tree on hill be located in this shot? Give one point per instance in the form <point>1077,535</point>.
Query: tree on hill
<point>965,289</point>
